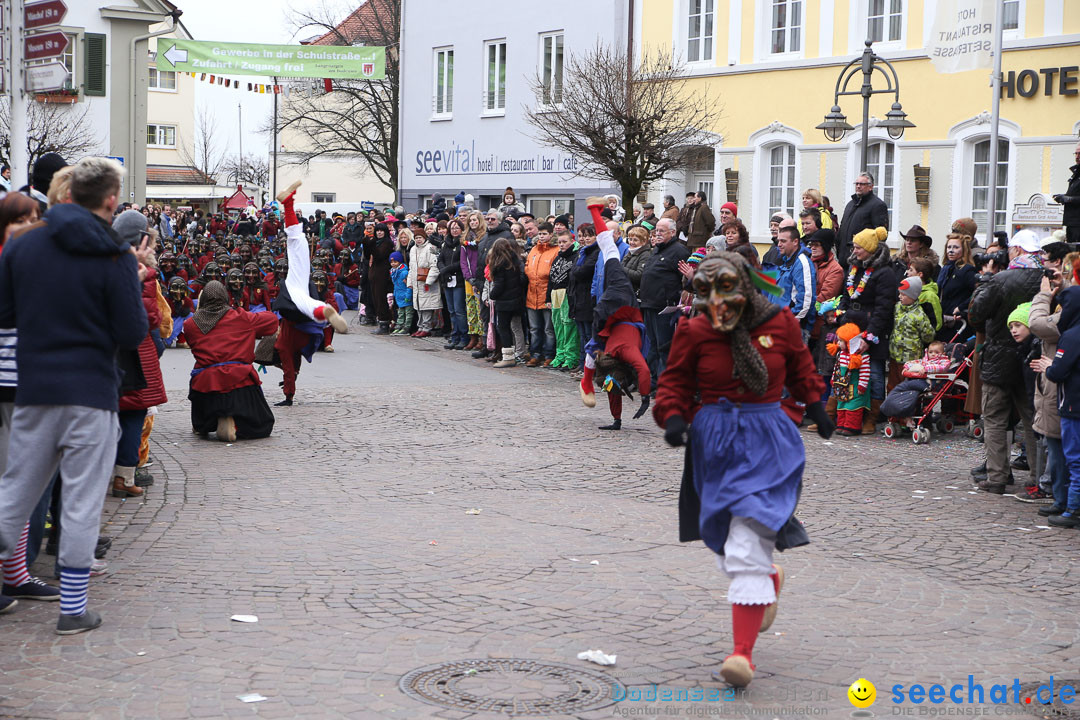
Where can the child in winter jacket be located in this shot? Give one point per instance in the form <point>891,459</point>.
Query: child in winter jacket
<point>403,297</point>
<point>933,361</point>
<point>851,378</point>
<point>1065,371</point>
<point>911,330</point>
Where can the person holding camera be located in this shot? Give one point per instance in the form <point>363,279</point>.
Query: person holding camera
<point>1071,200</point>
<point>1003,391</point>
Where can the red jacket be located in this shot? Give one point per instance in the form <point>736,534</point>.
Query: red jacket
<point>154,392</point>
<point>231,341</point>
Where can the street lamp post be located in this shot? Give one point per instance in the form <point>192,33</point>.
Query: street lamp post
<point>836,125</point>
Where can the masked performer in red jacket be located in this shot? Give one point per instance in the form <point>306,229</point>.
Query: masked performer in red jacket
<point>744,462</point>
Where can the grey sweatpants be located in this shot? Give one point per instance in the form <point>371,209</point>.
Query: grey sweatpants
<point>81,442</point>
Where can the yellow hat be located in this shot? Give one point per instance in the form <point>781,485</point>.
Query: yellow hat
<point>870,238</point>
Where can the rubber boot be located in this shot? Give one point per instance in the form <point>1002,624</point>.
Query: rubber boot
<point>508,360</point>
<point>869,423</point>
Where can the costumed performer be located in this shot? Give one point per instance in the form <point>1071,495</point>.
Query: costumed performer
<point>303,317</point>
<point>744,458</point>
<point>615,355</point>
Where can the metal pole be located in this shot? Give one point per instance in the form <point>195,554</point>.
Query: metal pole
<point>19,157</point>
<point>995,115</point>
<point>867,91</point>
<point>240,125</point>
<point>273,192</point>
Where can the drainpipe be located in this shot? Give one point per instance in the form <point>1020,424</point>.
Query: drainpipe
<point>135,135</point>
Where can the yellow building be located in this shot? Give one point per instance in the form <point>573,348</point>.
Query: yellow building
<point>773,67</point>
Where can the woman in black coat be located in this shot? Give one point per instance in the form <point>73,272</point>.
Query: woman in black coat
<point>453,285</point>
<point>507,292</point>
<point>872,308</point>
<point>378,248</point>
<point>580,290</point>
<point>956,282</point>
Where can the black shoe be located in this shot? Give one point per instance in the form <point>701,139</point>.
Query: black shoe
<point>51,547</point>
<point>994,488</point>
<point>1049,510</point>
<point>1065,521</point>
<point>449,346</point>
<point>615,425</point>
<point>383,329</point>
<point>32,589</point>
<point>1020,463</point>
<point>481,353</point>
<point>74,624</point>
<point>104,542</point>
<point>460,345</point>
<point>980,470</point>
<point>365,320</point>
<point>287,402</point>
<point>7,604</point>
<point>143,478</point>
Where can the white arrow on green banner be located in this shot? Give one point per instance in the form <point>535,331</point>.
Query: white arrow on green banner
<point>318,61</point>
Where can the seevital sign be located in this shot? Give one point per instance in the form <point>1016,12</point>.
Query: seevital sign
<point>306,61</point>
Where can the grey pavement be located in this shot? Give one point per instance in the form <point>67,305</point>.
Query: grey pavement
<point>348,534</point>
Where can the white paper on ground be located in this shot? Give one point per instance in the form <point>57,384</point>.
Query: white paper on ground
<point>245,618</point>
<point>251,697</point>
<point>596,656</point>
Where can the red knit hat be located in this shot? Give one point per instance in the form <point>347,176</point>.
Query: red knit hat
<point>732,207</point>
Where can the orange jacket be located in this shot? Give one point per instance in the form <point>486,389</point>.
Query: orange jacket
<point>537,270</point>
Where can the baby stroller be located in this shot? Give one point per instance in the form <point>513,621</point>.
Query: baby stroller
<point>937,400</point>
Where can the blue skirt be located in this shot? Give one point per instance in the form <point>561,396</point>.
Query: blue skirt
<point>748,461</point>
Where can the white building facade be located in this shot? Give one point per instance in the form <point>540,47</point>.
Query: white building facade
<point>466,87</point>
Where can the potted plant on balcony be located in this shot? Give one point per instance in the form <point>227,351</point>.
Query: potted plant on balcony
<point>63,96</point>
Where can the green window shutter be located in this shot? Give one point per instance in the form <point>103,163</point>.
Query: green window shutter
<point>94,84</point>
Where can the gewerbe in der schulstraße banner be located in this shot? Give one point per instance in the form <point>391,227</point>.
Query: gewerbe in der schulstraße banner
<point>307,61</point>
<point>962,37</point>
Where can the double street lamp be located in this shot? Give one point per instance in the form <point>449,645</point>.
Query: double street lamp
<point>836,125</point>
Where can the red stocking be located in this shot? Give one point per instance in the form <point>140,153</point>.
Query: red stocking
<point>587,379</point>
<point>745,624</point>
<point>290,211</point>
<point>599,221</point>
<point>615,404</point>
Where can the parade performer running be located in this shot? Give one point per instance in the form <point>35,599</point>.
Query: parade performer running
<point>615,355</point>
<point>744,459</point>
<point>303,317</point>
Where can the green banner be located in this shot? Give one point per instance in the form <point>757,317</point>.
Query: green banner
<point>307,61</point>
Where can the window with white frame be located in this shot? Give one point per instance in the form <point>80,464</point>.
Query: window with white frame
<point>700,30</point>
<point>702,166</point>
<point>541,207</point>
<point>786,27</point>
<point>323,197</point>
<point>495,85</point>
<point>443,103</point>
<point>551,46</point>
<point>980,184</point>
<point>161,136</point>
<point>782,179</point>
<point>162,79</point>
<point>881,163</point>
<point>1012,15</point>
<point>885,20</point>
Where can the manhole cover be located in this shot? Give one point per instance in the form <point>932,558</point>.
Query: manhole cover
<point>510,686</point>
<point>1031,700</point>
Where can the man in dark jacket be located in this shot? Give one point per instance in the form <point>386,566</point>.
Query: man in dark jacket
<point>702,223</point>
<point>999,361</point>
<point>67,398</point>
<point>865,210</point>
<point>1071,200</point>
<point>497,228</point>
<point>661,284</point>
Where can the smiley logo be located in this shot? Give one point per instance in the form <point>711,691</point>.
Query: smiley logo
<point>862,693</point>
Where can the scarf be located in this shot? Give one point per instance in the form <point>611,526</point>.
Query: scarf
<point>1030,262</point>
<point>213,304</point>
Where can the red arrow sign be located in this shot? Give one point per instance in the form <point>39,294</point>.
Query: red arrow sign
<point>42,14</point>
<point>49,45</point>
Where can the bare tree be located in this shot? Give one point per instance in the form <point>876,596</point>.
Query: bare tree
<point>360,117</point>
<point>628,129</point>
<point>251,169</point>
<point>206,154</point>
<point>51,127</point>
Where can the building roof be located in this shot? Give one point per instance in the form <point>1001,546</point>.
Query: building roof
<point>176,175</point>
<point>238,200</point>
<point>361,26</point>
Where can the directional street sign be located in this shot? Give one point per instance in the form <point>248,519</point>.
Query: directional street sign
<point>307,61</point>
<point>43,14</point>
<point>50,76</point>
<point>175,55</point>
<point>39,47</point>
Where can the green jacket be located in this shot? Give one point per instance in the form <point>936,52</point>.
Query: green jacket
<point>912,332</point>
<point>930,301</point>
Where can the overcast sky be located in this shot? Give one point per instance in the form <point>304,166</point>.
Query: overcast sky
<point>247,21</point>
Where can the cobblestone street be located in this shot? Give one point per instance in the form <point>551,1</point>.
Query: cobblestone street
<point>349,534</point>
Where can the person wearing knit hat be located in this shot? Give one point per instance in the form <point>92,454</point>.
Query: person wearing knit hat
<point>912,329</point>
<point>851,378</point>
<point>728,211</point>
<point>130,226</point>
<point>697,256</point>
<point>870,288</point>
<point>403,294</point>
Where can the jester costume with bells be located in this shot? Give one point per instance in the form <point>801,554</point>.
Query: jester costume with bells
<point>728,367</point>
<point>303,317</point>
<point>615,355</point>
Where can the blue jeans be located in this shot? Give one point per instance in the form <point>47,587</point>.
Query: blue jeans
<point>127,450</point>
<point>1058,471</point>
<point>541,334</point>
<point>1070,443</point>
<point>584,331</point>
<point>660,329</point>
<point>455,304</point>
<point>877,379</point>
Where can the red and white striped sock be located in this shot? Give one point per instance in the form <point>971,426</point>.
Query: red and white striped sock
<point>15,572</point>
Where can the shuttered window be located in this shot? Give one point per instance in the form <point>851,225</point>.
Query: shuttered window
<point>95,65</point>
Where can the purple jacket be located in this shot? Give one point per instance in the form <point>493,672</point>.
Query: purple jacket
<point>469,263</point>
